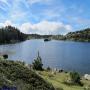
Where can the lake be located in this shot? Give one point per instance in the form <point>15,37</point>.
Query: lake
<point>67,55</point>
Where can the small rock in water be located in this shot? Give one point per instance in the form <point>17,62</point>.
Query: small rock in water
<point>5,56</point>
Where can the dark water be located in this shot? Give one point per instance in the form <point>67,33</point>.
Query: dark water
<point>56,54</point>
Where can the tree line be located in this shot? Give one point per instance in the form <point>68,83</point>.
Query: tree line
<point>82,35</point>
<point>11,34</point>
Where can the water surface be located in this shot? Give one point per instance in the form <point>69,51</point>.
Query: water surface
<point>56,54</point>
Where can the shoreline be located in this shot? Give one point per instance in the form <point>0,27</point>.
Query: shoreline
<point>54,69</point>
<point>55,77</point>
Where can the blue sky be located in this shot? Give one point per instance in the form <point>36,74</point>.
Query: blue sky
<point>45,16</point>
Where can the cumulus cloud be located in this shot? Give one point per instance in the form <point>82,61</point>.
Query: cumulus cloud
<point>6,23</point>
<point>45,27</point>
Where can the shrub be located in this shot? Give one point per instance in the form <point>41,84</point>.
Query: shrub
<point>87,88</point>
<point>48,68</point>
<point>50,75</point>
<point>37,64</point>
<point>73,79</point>
<point>58,88</point>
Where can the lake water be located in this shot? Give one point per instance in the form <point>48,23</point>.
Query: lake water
<point>56,54</point>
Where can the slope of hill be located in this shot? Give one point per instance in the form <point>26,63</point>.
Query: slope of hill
<point>11,34</point>
<point>16,74</point>
<point>83,35</point>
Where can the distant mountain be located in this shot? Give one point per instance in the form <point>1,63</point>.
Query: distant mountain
<point>11,34</point>
<point>82,35</point>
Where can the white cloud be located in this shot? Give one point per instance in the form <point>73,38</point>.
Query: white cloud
<point>3,8</point>
<point>4,5</point>
<point>5,2</point>
<point>7,23</point>
<point>17,15</point>
<point>38,1</point>
<point>45,27</point>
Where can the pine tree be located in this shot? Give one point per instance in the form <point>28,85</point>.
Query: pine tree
<point>37,64</point>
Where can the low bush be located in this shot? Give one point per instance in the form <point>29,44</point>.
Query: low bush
<point>14,73</point>
<point>58,88</point>
<point>73,78</point>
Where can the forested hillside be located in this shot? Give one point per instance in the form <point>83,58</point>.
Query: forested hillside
<point>83,35</point>
<point>11,34</point>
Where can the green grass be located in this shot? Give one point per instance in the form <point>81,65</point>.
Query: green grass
<point>58,79</point>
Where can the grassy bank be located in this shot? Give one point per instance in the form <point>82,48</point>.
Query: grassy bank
<point>58,81</point>
<point>24,77</point>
